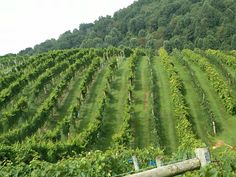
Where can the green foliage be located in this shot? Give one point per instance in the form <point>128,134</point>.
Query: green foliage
<point>185,134</point>
<point>216,80</point>
<point>28,150</point>
<point>223,164</point>
<point>95,163</point>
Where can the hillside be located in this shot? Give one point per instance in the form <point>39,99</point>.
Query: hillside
<point>69,104</point>
<point>204,24</point>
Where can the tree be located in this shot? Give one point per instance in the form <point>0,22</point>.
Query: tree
<point>151,44</point>
<point>136,24</point>
<point>142,33</point>
<point>133,42</point>
<point>210,42</point>
<point>88,43</point>
<point>111,40</point>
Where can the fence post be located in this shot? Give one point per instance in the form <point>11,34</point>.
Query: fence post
<point>203,155</point>
<point>135,161</point>
<point>202,159</point>
<point>158,161</point>
<point>214,127</point>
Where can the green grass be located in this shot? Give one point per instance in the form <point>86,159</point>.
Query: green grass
<point>115,107</point>
<point>166,108</point>
<point>143,121</point>
<point>69,97</point>
<point>227,123</point>
<point>227,73</point>
<point>88,109</point>
<point>193,100</point>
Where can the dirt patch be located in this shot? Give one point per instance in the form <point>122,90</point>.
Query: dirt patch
<point>221,143</point>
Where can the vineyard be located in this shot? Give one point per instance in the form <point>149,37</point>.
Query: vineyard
<point>85,112</point>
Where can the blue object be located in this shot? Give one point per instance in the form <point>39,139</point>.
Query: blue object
<point>130,161</point>
<point>152,163</point>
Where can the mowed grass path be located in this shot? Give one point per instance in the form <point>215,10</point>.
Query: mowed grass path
<point>89,107</point>
<point>166,108</point>
<point>113,115</point>
<point>227,123</point>
<point>193,100</point>
<point>143,122</point>
<point>67,99</point>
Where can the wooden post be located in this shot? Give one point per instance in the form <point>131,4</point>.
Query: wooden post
<point>130,96</point>
<point>214,127</point>
<point>170,170</point>
<point>203,97</point>
<point>135,161</point>
<point>158,161</point>
<point>153,112</point>
<point>202,159</point>
<point>203,155</point>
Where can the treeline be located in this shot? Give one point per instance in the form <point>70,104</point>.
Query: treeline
<point>155,23</point>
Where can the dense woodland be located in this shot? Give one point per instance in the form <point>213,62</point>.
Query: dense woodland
<point>153,23</point>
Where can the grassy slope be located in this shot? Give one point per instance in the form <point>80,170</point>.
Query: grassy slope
<point>229,70</point>
<point>69,97</point>
<point>226,121</point>
<point>142,119</point>
<point>166,109</point>
<point>193,100</point>
<point>115,107</point>
<point>89,107</point>
<point>66,100</point>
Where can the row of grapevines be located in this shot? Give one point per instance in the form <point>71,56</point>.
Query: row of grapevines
<point>224,58</point>
<point>14,73</point>
<point>11,117</point>
<point>214,60</point>
<point>30,64</point>
<point>17,71</point>
<point>80,142</point>
<point>184,130</point>
<point>43,111</point>
<point>64,125</point>
<point>52,72</point>
<point>155,105</point>
<point>87,56</point>
<point>34,69</point>
<point>196,84</point>
<point>91,133</point>
<point>216,80</point>
<point>125,135</point>
<point>15,87</point>
<point>12,63</point>
<point>47,76</point>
